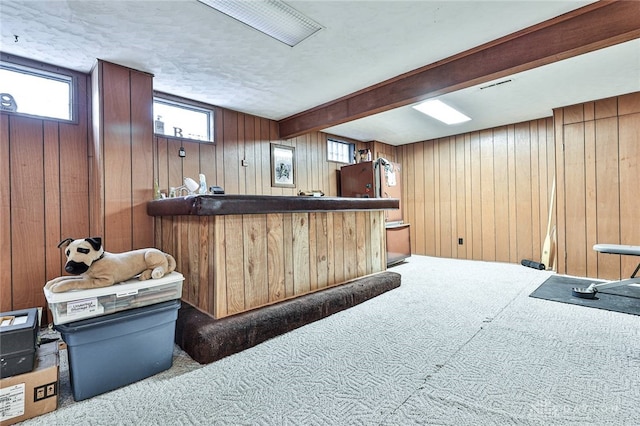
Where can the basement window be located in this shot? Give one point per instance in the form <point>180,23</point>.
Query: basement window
<point>35,92</point>
<point>340,151</point>
<point>182,119</point>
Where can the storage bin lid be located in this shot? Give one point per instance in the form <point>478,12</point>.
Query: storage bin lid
<point>18,320</point>
<point>119,289</point>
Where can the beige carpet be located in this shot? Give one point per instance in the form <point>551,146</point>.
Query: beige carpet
<point>458,343</point>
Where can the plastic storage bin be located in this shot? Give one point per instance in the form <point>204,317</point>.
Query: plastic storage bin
<point>18,334</point>
<point>115,350</point>
<point>76,305</point>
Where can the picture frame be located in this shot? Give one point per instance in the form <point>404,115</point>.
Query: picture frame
<point>283,160</point>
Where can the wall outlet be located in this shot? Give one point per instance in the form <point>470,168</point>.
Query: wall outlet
<point>244,163</point>
<point>460,241</point>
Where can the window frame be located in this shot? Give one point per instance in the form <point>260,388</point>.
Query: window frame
<point>185,103</point>
<point>352,150</point>
<point>41,69</point>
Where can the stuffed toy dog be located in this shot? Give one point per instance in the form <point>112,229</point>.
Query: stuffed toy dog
<point>93,267</point>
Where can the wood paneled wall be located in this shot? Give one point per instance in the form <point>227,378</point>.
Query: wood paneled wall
<point>60,180</point>
<point>121,159</point>
<point>240,137</point>
<point>43,198</point>
<point>598,150</point>
<point>380,149</point>
<point>490,188</point>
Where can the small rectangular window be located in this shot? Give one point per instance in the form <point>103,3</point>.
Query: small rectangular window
<point>340,151</point>
<point>182,120</point>
<point>31,91</point>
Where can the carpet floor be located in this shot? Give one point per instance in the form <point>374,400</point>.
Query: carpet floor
<point>458,343</point>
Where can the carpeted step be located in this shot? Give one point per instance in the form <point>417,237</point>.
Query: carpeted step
<point>206,339</point>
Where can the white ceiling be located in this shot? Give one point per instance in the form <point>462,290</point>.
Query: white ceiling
<point>198,53</point>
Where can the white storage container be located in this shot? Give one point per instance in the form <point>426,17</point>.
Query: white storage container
<point>81,304</point>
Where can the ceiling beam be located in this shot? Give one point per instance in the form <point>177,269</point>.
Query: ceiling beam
<point>596,26</point>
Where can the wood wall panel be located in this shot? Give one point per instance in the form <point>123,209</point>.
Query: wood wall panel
<point>475,240</point>
<point>275,256</point>
<point>54,259</point>
<point>460,179</point>
<point>629,138</point>
<point>501,186</point>
<point>546,176</point>
<point>523,195</point>
<point>511,176</point>
<point>287,260</point>
<point>591,180</point>
<point>71,174</point>
<point>244,137</point>
<point>234,263</point>
<point>602,194</point>
<point>73,149</point>
<point>338,244</point>
<point>125,168</point>
<point>447,197</point>
<point>361,247</point>
<point>537,228</point>
<point>421,173</point>
<point>44,199</point>
<point>142,158</point>
<point>116,143</point>
<point>27,219</point>
<point>219,291</point>
<point>256,261</point>
<point>6,249</point>
<point>350,246</point>
<point>300,250</point>
<point>575,207</point>
<point>313,254</point>
<point>465,232</point>
<point>322,249</point>
<point>488,188</point>
<point>597,184</point>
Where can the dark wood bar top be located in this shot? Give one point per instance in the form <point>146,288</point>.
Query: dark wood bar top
<point>207,205</point>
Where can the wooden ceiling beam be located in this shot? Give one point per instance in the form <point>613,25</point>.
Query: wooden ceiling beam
<point>596,26</point>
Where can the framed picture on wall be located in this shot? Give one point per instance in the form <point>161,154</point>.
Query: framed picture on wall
<point>283,160</point>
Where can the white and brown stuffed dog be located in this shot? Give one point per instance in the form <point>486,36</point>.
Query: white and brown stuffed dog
<point>92,267</point>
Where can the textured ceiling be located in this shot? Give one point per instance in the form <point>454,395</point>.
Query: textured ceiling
<point>198,53</point>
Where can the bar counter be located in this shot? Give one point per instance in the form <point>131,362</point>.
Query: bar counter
<point>205,205</point>
<point>242,252</point>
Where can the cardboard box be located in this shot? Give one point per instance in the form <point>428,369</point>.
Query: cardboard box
<point>31,394</point>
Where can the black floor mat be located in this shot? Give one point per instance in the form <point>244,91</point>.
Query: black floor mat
<point>625,299</point>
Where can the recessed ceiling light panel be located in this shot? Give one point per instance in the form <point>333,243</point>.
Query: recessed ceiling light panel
<point>271,17</point>
<point>441,111</point>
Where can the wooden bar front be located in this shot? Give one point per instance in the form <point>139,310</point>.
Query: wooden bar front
<point>241,252</point>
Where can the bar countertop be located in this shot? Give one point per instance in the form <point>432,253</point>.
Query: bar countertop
<point>227,204</point>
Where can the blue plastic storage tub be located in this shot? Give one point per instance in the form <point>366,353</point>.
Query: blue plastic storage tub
<point>115,350</point>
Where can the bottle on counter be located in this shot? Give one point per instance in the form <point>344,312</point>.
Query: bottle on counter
<point>156,190</point>
<point>203,189</point>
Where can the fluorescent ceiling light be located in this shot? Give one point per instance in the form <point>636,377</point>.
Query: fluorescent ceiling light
<point>441,111</point>
<point>272,17</point>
